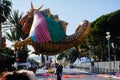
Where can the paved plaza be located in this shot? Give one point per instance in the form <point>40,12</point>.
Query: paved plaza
<point>74,74</point>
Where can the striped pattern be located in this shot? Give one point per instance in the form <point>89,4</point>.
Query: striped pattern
<point>39,29</point>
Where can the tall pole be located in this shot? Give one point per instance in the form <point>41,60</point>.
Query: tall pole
<point>114,56</point>
<point>108,38</point>
<point>109,53</point>
<point>90,58</point>
<point>90,52</point>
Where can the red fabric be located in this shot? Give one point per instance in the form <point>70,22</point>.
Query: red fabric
<point>73,76</point>
<point>64,77</point>
<point>44,74</point>
<point>23,20</point>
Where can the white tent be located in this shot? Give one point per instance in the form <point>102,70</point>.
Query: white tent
<point>77,62</point>
<point>84,59</point>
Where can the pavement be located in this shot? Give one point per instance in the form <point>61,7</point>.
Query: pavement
<point>74,74</point>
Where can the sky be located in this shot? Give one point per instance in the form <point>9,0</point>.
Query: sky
<point>71,11</point>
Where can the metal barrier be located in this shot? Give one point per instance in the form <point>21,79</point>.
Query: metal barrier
<point>101,67</point>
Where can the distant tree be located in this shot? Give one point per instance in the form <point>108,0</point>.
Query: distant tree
<point>15,33</point>
<point>15,28</point>
<point>5,9</point>
<point>97,37</point>
<point>7,58</point>
<point>70,55</point>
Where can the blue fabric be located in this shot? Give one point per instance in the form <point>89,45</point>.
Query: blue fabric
<point>33,38</point>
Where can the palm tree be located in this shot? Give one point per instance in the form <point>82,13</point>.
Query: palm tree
<point>5,9</point>
<point>15,33</point>
<point>15,28</point>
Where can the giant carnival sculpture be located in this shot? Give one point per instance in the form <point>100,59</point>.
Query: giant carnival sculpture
<point>47,33</point>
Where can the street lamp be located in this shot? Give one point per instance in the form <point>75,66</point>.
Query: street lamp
<point>108,38</point>
<point>91,69</point>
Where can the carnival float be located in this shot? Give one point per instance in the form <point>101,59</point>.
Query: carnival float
<point>47,33</point>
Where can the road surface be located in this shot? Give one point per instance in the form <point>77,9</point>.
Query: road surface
<point>73,74</point>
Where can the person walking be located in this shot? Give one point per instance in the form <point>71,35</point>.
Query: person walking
<point>61,69</point>
<point>58,73</point>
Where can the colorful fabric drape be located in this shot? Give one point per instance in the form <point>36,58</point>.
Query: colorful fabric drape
<point>56,32</point>
<point>39,31</point>
<point>46,29</point>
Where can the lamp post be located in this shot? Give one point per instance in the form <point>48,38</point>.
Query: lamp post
<point>108,38</point>
<point>90,58</point>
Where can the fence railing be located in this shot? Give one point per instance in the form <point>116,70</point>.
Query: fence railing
<point>101,67</point>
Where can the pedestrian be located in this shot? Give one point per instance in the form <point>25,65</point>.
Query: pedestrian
<point>61,69</point>
<point>58,73</point>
